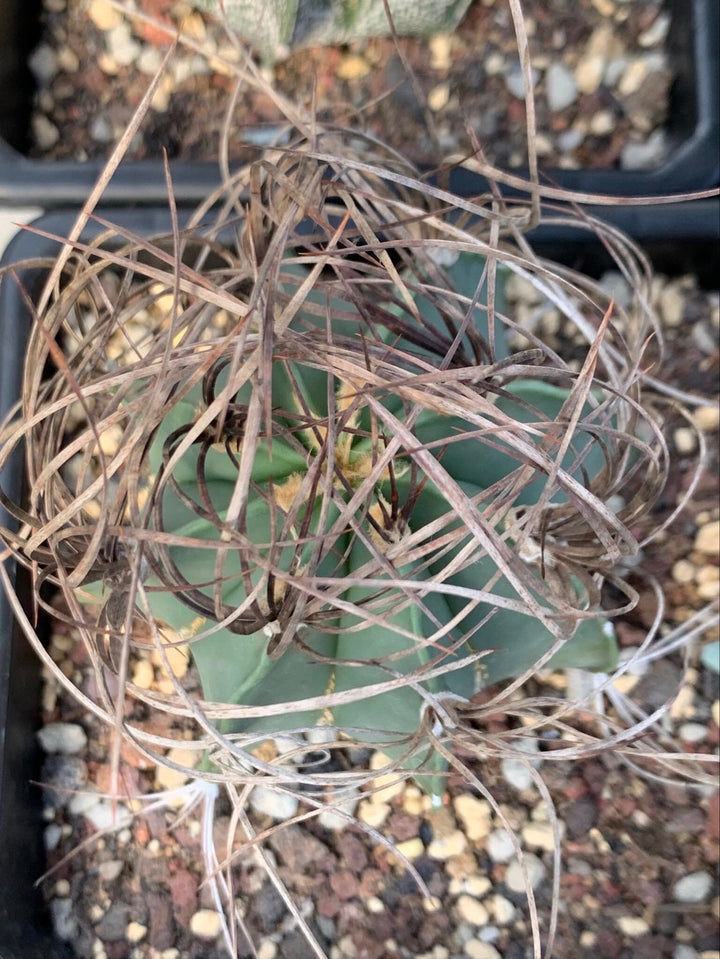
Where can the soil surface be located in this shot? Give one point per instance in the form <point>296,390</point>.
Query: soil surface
<point>639,857</point>
<point>600,69</point>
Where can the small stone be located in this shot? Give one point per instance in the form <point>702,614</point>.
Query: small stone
<point>135,932</point>
<point>515,771</point>
<point>681,951</point>
<point>167,778</point>
<point>477,886</point>
<point>353,68</point>
<point>475,815</point>
<point>440,49</point>
<point>100,129</point>
<point>386,788</point>
<point>44,63</point>
<point>692,732</point>
<point>707,418</point>
<point>373,813</point>
<point>52,836</point>
<point>68,60</point>
<point>267,950</point>
<point>672,304</point>
<point>632,926</point>
<point>515,82</point>
<point>411,848</point>
<point>693,888</point>
<point>589,73</point>
<point>439,97</point>
<point>64,921</point>
<point>271,802</point>
<point>122,46</point>
<point>515,879</point>
<point>104,16</point>
<point>63,776</point>
<point>644,155</point>
<point>500,846</point>
<point>103,816</point>
<point>110,870</point>
<point>374,905</point>
<point>685,441</point>
<point>446,847</point>
<point>66,738</point>
<point>633,77</point>
<point>205,924</point>
<point>602,123</point>
<point>562,90</point>
<point>683,572</point>
<point>45,133</point>
<point>143,674</point>
<point>707,539</point>
<point>477,949</point>
<point>656,32</point>
<point>539,835</point>
<point>501,909</point>
<point>472,911</point>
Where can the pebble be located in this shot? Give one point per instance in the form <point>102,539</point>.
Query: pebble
<point>439,97</point>
<point>501,909</point>
<point>45,133</point>
<point>205,924</point>
<point>685,440</point>
<point>267,950</point>
<point>64,921</point>
<point>707,539</point>
<point>411,848</point>
<point>440,48</point>
<point>514,878</point>
<point>475,815</point>
<point>632,926</point>
<point>516,774</point>
<point>656,32</point>
<point>633,77</point>
<point>104,16</point>
<point>671,303</point>
<point>51,836</point>
<point>110,869</point>
<point>562,90</point>
<point>644,155</point>
<point>500,846</point>
<point>602,123</point>
<point>683,572</point>
<point>135,932</point>
<point>446,847</point>
<point>589,73</point>
<point>100,129</point>
<point>477,949</point>
<point>472,910</point>
<point>515,83</point>
<point>692,732</point>
<point>103,816</point>
<point>43,62</point>
<point>353,68</point>
<point>540,835</point>
<point>273,803</point>
<point>67,774</point>
<point>373,813</point>
<point>693,888</point>
<point>121,45</point>
<point>707,418</point>
<point>167,778</point>
<point>681,951</point>
<point>66,738</point>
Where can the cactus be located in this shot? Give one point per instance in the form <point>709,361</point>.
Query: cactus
<point>333,586</point>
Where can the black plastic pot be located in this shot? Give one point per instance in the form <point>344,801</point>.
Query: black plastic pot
<point>693,160</point>
<point>678,240</point>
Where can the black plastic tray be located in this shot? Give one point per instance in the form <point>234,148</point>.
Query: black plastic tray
<point>693,161</point>
<point>678,240</point>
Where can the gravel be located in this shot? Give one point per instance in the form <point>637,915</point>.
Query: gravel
<point>693,888</point>
<point>67,738</point>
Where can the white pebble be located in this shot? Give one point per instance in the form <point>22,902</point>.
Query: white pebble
<point>64,921</point>
<point>103,816</point>
<point>632,926</point>
<point>502,910</point>
<point>515,83</point>
<point>644,155</point>
<point>271,802</point>
<point>561,87</point>
<point>693,888</point>
<point>500,845</point>
<point>472,910</point>
<point>52,836</point>
<point>515,879</point>
<point>476,949</point>
<point>692,732</point>
<point>43,63</point>
<point>540,835</point>
<point>135,932</point>
<point>67,738</point>
<point>205,924</point>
